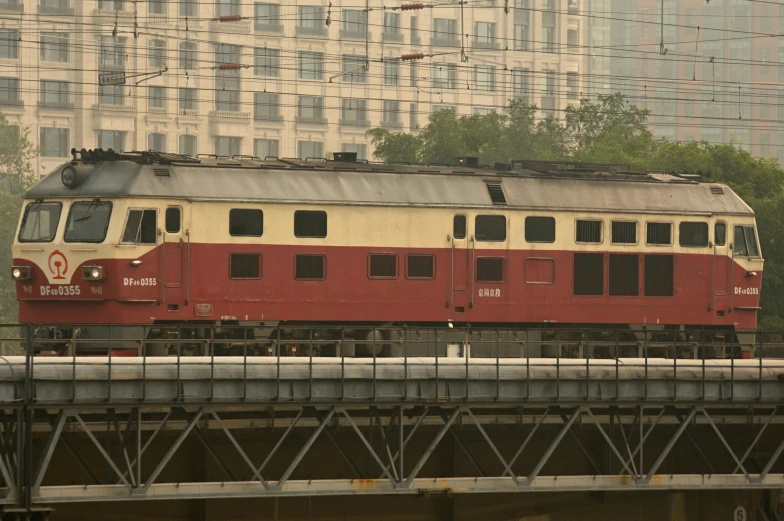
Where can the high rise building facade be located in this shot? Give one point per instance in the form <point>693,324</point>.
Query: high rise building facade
<point>287,79</point>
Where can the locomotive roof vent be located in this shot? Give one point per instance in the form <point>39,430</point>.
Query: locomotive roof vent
<point>161,171</point>
<point>717,190</point>
<point>346,157</point>
<point>496,192</point>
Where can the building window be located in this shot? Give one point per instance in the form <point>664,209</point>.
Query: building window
<point>311,20</point>
<point>111,5</point>
<point>156,97</point>
<point>157,7</point>
<point>265,148</point>
<point>188,8</point>
<point>520,82</point>
<point>659,275</point>
<point>391,113</point>
<point>111,52</point>
<point>246,222</point>
<point>54,47</point>
<point>490,228</point>
<point>310,223</point>
<point>624,232</point>
<point>354,23</point>
<point>228,146</point>
<point>490,269</point>
<point>268,18</point>
<point>245,266</point>
<point>421,267</point>
<point>484,34</point>
<point>111,95</point>
<point>310,149</point>
<point>266,107</point>
<point>484,77</point>
<point>588,232</point>
<point>311,65</point>
<point>187,99</point>
<point>548,26</point>
<point>188,56</point>
<point>228,8</point>
<point>765,59</point>
<point>156,142</point>
<point>354,69</point>
<point>157,54</point>
<point>310,267</point>
<point>414,30</point>
<point>588,274</point>
<point>188,145</point>
<point>413,71</point>
<point>227,100</point>
<point>391,72</point>
<point>54,94</point>
<point>111,139</point>
<point>267,63</point>
<point>55,7</point>
<point>624,275</point>
<point>521,37</point>
<point>540,229</point>
<point>392,27</point>
<point>745,242</point>
<point>360,149</point>
<point>382,266</point>
<point>9,43</point>
<point>353,112</point>
<point>572,38</point>
<point>444,76</point>
<point>227,82</point>
<point>141,227</point>
<point>459,226</point>
<point>445,31</point>
<point>413,121</point>
<point>694,234</point>
<point>539,270</point>
<point>310,109</point>
<point>659,234</point>
<point>54,142</point>
<point>572,86</point>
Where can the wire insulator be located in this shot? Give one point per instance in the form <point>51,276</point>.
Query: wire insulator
<point>413,56</point>
<point>412,7</point>
<point>230,66</point>
<point>230,18</point>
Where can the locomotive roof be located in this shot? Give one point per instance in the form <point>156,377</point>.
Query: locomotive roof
<point>525,185</point>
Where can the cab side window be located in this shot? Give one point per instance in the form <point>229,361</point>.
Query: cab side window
<point>745,242</point>
<point>141,227</point>
<point>720,234</point>
<point>173,219</point>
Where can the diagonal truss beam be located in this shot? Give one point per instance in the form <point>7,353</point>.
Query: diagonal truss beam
<point>507,467</point>
<point>669,446</point>
<point>100,448</point>
<point>528,439</point>
<point>609,441</point>
<point>367,444</point>
<point>724,442</point>
<point>286,475</point>
<point>464,447</point>
<point>432,447</point>
<point>136,461</point>
<point>757,438</point>
<point>165,460</point>
<point>51,443</point>
<point>239,449</point>
<point>407,438</point>
<point>546,456</point>
<point>257,474</point>
<point>645,436</point>
<point>341,450</point>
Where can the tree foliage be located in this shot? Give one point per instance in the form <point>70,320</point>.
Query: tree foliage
<point>606,130</point>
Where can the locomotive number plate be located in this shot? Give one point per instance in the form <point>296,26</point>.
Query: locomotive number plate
<point>60,291</point>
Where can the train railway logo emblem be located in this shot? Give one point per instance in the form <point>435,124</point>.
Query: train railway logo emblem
<point>58,265</point>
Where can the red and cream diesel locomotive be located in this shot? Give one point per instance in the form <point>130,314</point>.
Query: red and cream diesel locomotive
<point>142,240</point>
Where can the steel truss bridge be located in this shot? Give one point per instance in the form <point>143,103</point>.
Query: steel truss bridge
<point>276,426</point>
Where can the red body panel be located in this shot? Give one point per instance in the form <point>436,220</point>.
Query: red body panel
<point>710,291</point>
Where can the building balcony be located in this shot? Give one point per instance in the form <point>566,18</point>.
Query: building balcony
<point>311,121</point>
<point>55,105</point>
<point>157,111</point>
<point>392,37</point>
<point>110,14</point>
<point>54,10</point>
<point>363,123</point>
<point>355,35</point>
<point>416,40</point>
<point>227,115</point>
<point>14,7</point>
<point>392,125</point>
<point>573,8</point>
<point>268,117</point>
<point>268,28</point>
<point>105,108</point>
<point>311,31</point>
<point>12,103</point>
<point>445,42</point>
<point>238,27</point>
<point>484,45</point>
<point>158,19</point>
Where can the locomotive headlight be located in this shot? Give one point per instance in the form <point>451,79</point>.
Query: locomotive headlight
<point>68,176</point>
<point>92,272</point>
<point>20,272</point>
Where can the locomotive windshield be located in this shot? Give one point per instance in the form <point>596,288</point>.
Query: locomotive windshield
<point>88,221</point>
<point>745,242</point>
<point>39,223</point>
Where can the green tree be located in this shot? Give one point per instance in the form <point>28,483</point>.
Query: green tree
<point>394,146</point>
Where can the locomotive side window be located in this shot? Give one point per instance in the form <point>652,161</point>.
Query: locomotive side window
<point>39,223</point>
<point>310,267</point>
<point>141,227</point>
<point>459,227</point>
<point>173,219</point>
<point>624,232</point>
<point>88,222</point>
<point>588,274</point>
<point>245,266</point>
<point>490,228</point>
<point>693,234</point>
<point>246,222</point>
<point>624,275</point>
<point>310,223</point>
<point>539,229</point>
<point>421,267</point>
<point>539,270</point>
<point>659,275</point>
<point>745,242</point>
<point>720,234</point>
<point>589,232</point>
<point>382,266</point>
<point>490,269</point>
<point>659,234</point>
